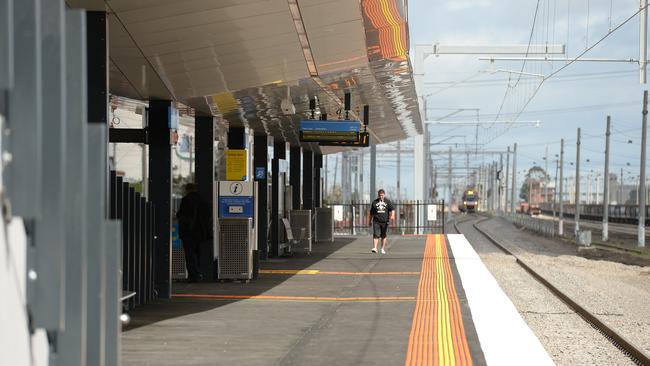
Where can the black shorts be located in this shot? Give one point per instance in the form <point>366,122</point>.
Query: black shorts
<point>379,229</point>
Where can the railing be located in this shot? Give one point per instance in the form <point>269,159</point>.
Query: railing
<point>547,228</point>
<point>627,214</point>
<point>137,217</point>
<point>412,217</point>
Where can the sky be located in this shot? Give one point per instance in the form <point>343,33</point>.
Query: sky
<point>580,95</point>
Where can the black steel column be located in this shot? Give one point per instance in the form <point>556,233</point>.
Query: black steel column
<point>260,162</point>
<point>279,153</point>
<point>96,67</point>
<point>236,138</point>
<point>160,192</point>
<point>98,273</point>
<point>294,176</point>
<point>204,178</point>
<point>318,164</point>
<point>307,180</point>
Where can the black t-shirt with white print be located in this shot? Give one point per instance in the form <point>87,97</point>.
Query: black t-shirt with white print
<point>380,210</point>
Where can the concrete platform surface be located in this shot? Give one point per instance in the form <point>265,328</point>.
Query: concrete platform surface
<point>341,305</point>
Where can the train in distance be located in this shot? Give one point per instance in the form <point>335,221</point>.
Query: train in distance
<point>470,201</point>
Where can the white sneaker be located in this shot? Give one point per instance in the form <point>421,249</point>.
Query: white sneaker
<point>374,250</point>
<point>383,251</point>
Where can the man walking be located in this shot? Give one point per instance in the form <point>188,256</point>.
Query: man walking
<point>381,211</point>
<point>194,229</point>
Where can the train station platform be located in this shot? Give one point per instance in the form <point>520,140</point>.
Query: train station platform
<point>429,300</point>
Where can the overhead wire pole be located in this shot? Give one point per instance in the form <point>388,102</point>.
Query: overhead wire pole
<point>514,178</point>
<point>451,193</point>
<point>561,214</point>
<point>490,187</point>
<point>557,166</point>
<point>546,175</point>
<point>577,187</point>
<point>505,192</point>
<point>495,185</point>
<point>642,185</point>
<point>606,185</point>
<point>499,175</point>
<point>643,40</point>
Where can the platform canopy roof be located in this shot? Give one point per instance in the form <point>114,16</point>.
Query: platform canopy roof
<point>237,59</point>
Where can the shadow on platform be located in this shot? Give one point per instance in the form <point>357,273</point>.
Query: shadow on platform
<point>163,309</point>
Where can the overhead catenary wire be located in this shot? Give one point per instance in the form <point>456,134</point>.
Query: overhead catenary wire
<point>530,38</point>
<point>563,78</point>
<point>572,61</point>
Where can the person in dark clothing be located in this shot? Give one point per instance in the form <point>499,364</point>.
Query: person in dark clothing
<point>193,228</point>
<point>381,212</point>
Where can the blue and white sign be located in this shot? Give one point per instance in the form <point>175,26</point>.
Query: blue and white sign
<point>172,120</point>
<point>236,207</point>
<point>236,199</point>
<point>329,126</point>
<point>260,173</point>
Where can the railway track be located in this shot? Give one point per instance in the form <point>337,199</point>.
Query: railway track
<point>627,348</point>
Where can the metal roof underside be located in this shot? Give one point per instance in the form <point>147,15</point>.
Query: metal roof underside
<point>236,59</point>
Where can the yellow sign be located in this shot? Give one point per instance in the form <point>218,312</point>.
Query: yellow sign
<point>236,164</point>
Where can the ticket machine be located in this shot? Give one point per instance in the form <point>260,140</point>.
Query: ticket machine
<point>236,237</point>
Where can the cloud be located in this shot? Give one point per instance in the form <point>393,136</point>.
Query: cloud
<point>457,5</point>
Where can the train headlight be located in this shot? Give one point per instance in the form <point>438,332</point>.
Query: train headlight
<point>464,202</point>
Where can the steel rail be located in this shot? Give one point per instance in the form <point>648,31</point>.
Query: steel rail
<point>616,339</point>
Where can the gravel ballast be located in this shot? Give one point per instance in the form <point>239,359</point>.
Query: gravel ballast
<point>617,293</point>
<point>568,339</point>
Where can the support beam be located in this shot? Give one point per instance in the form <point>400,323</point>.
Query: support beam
<point>97,209</point>
<point>307,180</point>
<point>236,138</point>
<point>23,174</point>
<point>279,153</point>
<point>535,123</point>
<point>318,186</point>
<point>46,294</point>
<point>560,59</point>
<point>127,135</point>
<point>160,192</point>
<point>373,168</point>
<point>72,340</point>
<point>295,155</point>
<point>422,51</point>
<point>418,171</point>
<point>261,161</point>
<point>204,180</point>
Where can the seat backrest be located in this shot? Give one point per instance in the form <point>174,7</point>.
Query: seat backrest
<point>287,228</point>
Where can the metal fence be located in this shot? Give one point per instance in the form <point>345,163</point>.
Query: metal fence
<point>547,228</point>
<point>412,217</point>
<point>137,217</point>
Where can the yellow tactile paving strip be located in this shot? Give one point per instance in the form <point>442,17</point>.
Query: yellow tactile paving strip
<point>437,333</point>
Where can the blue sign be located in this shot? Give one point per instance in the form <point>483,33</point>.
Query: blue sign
<point>329,126</point>
<point>176,240</point>
<point>260,173</point>
<point>236,207</point>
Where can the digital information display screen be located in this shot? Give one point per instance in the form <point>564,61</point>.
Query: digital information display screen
<point>363,141</point>
<point>329,131</point>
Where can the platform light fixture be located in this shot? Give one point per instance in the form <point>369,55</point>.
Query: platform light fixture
<point>302,37</point>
